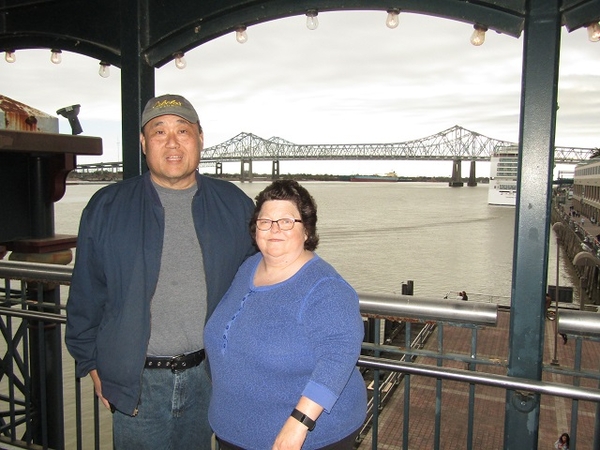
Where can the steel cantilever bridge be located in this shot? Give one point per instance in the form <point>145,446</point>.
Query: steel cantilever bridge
<point>455,143</point>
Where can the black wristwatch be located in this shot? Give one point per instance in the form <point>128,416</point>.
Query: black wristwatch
<point>303,419</point>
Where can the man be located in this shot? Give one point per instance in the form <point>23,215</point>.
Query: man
<point>155,254</point>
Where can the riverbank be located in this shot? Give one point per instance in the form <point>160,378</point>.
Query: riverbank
<point>107,176</point>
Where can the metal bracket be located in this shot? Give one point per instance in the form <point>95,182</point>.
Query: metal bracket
<point>524,401</point>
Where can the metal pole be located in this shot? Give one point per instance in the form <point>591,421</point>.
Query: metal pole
<point>582,298</point>
<point>597,426</point>
<point>539,86</point>
<point>555,359</point>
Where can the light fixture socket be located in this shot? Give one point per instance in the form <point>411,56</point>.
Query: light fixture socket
<point>241,35</point>
<point>71,113</point>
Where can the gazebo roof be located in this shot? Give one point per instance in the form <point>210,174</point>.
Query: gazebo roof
<point>105,29</point>
<point>141,35</point>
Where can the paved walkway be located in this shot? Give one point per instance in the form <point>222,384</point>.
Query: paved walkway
<point>488,433</point>
<point>590,228</point>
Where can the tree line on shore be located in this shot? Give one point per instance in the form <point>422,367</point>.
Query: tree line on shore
<point>105,175</point>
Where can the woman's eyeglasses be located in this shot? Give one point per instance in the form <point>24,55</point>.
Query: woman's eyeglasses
<point>285,224</point>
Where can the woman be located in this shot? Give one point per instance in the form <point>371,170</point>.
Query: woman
<point>563,442</point>
<point>284,341</point>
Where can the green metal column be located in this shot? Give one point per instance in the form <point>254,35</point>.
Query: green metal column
<point>532,219</point>
<point>137,83</point>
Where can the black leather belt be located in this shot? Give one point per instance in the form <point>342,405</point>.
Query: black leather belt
<point>175,363</point>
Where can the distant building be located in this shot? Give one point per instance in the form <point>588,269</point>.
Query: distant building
<point>586,188</point>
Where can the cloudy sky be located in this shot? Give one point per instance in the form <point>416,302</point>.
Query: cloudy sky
<point>352,80</point>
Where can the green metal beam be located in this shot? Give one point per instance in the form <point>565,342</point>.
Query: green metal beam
<point>530,259</point>
<point>137,84</point>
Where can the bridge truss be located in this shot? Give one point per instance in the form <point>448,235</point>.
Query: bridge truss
<point>455,143</point>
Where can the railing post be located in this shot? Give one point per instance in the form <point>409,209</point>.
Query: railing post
<point>597,427</point>
<point>45,347</point>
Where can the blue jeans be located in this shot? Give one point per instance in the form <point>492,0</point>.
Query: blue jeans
<point>172,414</point>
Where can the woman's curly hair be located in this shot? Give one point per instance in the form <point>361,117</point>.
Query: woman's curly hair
<point>290,190</point>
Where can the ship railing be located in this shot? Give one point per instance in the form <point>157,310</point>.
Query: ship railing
<point>44,405</point>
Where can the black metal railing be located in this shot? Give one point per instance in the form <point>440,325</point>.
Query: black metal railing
<point>43,404</point>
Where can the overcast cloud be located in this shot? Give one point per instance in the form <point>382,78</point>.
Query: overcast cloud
<point>352,80</point>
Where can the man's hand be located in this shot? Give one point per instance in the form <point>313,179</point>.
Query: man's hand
<point>98,387</point>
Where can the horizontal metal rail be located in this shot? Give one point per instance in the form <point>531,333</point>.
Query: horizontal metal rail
<point>500,381</point>
<point>400,307</point>
<point>394,307</point>
<point>579,323</point>
<point>32,314</point>
<point>45,273</point>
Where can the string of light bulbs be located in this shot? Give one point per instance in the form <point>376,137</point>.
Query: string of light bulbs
<point>312,23</point>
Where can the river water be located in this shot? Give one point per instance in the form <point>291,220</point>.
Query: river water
<point>378,236</point>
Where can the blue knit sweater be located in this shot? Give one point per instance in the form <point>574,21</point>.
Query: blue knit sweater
<point>269,345</point>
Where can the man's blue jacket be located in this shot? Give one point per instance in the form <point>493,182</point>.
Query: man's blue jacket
<point>116,269</point>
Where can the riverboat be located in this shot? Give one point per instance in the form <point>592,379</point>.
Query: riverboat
<point>390,177</point>
<point>503,176</point>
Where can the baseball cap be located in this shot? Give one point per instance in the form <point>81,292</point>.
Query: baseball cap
<point>169,104</point>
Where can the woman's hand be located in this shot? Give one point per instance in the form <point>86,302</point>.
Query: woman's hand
<point>291,436</point>
<point>293,433</point>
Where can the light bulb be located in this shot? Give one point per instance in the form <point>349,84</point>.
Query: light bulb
<point>593,30</point>
<point>104,70</point>
<point>56,56</point>
<point>312,21</point>
<point>241,36</point>
<point>478,36</point>
<point>180,62</point>
<point>392,20</point>
<point>9,56</point>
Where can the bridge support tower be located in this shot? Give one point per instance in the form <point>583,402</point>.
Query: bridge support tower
<point>243,172</point>
<point>275,170</point>
<point>219,169</point>
<point>456,178</point>
<point>472,180</point>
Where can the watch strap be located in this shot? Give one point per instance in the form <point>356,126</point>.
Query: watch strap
<point>303,419</point>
